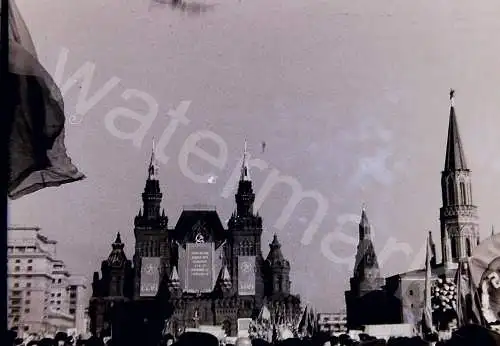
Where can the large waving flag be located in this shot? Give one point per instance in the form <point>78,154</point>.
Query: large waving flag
<point>484,267</point>
<point>38,156</point>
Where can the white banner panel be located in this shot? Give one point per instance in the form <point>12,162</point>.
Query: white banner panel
<point>246,275</point>
<point>199,268</point>
<point>150,276</point>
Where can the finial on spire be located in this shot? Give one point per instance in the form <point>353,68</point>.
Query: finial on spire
<point>245,171</point>
<point>118,239</point>
<point>153,164</point>
<point>363,207</point>
<point>452,98</point>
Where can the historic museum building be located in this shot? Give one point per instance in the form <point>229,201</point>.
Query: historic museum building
<point>399,298</point>
<point>196,273</point>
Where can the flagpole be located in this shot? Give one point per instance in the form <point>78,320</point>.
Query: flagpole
<point>6,126</point>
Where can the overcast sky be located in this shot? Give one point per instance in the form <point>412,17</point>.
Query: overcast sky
<point>350,96</point>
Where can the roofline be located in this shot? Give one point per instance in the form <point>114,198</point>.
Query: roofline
<point>199,207</point>
<point>23,228</point>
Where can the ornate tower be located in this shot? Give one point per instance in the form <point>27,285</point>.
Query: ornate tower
<point>366,277</point>
<point>277,270</point>
<point>366,301</point>
<point>115,286</point>
<point>458,215</point>
<point>245,229</point>
<point>151,233</point>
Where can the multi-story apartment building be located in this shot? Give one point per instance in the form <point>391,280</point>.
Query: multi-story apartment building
<point>78,301</point>
<point>38,284</point>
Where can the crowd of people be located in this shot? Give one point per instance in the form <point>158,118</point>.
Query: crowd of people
<point>467,336</point>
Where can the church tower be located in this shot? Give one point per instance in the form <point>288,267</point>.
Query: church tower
<point>458,215</point>
<point>151,233</point>
<point>245,228</point>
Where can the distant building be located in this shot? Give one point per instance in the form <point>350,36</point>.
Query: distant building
<point>459,235</point>
<point>78,301</point>
<point>38,286</point>
<point>333,322</point>
<point>199,272</point>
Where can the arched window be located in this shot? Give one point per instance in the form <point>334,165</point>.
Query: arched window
<point>468,247</point>
<point>454,248</point>
<point>463,193</point>
<point>450,187</point>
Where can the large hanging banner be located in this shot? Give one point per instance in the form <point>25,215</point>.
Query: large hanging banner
<point>485,271</point>
<point>150,276</point>
<point>199,268</point>
<point>246,275</point>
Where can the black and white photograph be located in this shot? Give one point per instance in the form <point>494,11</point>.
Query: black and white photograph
<point>250,172</point>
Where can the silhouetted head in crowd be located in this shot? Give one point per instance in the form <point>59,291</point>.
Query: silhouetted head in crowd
<point>47,342</point>
<point>260,342</point>
<point>243,342</point>
<point>168,339</point>
<point>195,338</point>
<point>334,340</point>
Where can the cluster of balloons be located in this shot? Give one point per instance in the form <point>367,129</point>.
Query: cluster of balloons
<point>444,295</point>
<point>444,302</point>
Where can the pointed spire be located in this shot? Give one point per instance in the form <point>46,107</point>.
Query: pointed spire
<point>174,275</point>
<point>225,274</point>
<point>455,157</point>
<point>118,245</point>
<point>364,225</point>
<point>245,169</point>
<point>117,257</point>
<point>364,219</point>
<point>153,164</point>
<point>173,280</point>
<point>492,230</point>
<point>275,243</point>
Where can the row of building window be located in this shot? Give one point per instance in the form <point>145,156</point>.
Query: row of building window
<point>16,284</point>
<point>18,268</point>
<point>17,301</point>
<point>21,248</point>
<point>19,261</point>
<point>18,293</point>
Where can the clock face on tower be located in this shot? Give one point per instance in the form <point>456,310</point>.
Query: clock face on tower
<point>369,260</point>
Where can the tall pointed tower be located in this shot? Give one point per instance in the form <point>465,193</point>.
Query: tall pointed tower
<point>245,228</point>
<point>366,301</point>
<point>366,277</point>
<point>458,215</point>
<point>151,233</point>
